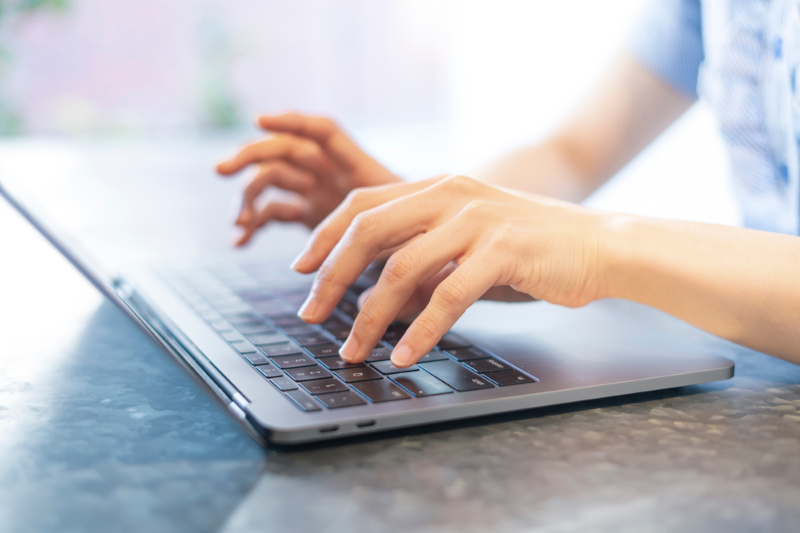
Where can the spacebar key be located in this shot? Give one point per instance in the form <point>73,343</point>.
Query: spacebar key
<point>456,375</point>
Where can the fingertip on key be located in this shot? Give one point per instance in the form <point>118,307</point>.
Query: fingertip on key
<point>349,350</point>
<point>309,308</point>
<point>401,356</point>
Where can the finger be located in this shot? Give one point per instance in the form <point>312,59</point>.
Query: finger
<point>330,231</point>
<point>321,129</point>
<point>406,270</point>
<point>254,152</point>
<point>449,301</point>
<point>276,174</point>
<point>281,211</point>
<point>370,232</point>
<point>303,152</point>
<point>420,298</point>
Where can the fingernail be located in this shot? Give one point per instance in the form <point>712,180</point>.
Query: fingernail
<point>401,356</point>
<point>309,307</point>
<point>350,348</point>
<point>298,261</point>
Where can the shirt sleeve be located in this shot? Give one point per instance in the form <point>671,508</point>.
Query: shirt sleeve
<point>667,39</point>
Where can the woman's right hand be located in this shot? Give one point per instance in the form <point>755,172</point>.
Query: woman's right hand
<point>310,156</point>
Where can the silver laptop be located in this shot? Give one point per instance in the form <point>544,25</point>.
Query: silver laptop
<point>231,322</point>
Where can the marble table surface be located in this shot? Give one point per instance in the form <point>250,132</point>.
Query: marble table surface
<point>101,431</point>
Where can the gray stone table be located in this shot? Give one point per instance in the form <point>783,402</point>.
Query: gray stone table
<point>101,431</point>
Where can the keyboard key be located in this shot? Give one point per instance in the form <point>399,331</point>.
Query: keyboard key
<point>348,308</point>
<point>311,339</point>
<point>381,391</point>
<point>305,329</point>
<point>234,309</point>
<point>337,363</point>
<point>307,373</point>
<point>243,347</point>
<point>433,355</point>
<point>303,400</point>
<point>285,348</point>
<point>421,384</point>
<point>386,367</point>
<point>394,332</point>
<point>272,308</point>
<point>288,321</point>
<point>256,358</point>
<point>467,354</point>
<point>456,376</point>
<point>210,316</point>
<point>333,323</point>
<point>351,375</point>
<point>232,336</point>
<point>483,366</point>
<point>250,328</point>
<point>293,361</point>
<point>221,325</point>
<point>341,399</point>
<point>340,333</point>
<point>268,338</point>
<point>379,353</point>
<point>269,370</point>
<point>324,350</point>
<point>509,377</point>
<point>324,386</point>
<point>258,296</point>
<point>392,342</point>
<point>241,318</point>
<point>283,383</point>
<point>451,340</point>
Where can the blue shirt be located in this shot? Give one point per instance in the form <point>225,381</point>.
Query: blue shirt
<point>743,58</point>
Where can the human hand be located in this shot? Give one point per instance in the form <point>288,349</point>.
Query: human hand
<point>307,155</point>
<point>547,249</point>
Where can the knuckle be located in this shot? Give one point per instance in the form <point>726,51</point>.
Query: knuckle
<point>355,198</point>
<point>326,273</point>
<point>426,330</point>
<point>366,222</point>
<point>400,267</point>
<point>452,293</point>
<point>368,318</point>
<point>459,182</point>
<point>477,209</point>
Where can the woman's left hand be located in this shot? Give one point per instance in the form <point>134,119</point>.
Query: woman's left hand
<point>547,249</point>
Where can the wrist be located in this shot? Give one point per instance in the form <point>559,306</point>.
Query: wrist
<point>620,243</point>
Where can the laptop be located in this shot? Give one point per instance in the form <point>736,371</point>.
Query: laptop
<point>231,322</point>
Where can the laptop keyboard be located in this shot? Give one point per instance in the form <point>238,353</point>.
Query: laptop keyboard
<point>254,308</point>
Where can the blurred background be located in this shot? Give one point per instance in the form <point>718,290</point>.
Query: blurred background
<point>428,85</point>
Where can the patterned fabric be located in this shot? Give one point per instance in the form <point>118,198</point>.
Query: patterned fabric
<point>741,56</point>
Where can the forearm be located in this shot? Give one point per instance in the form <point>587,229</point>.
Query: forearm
<point>742,285</point>
<point>622,115</point>
<point>544,168</point>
